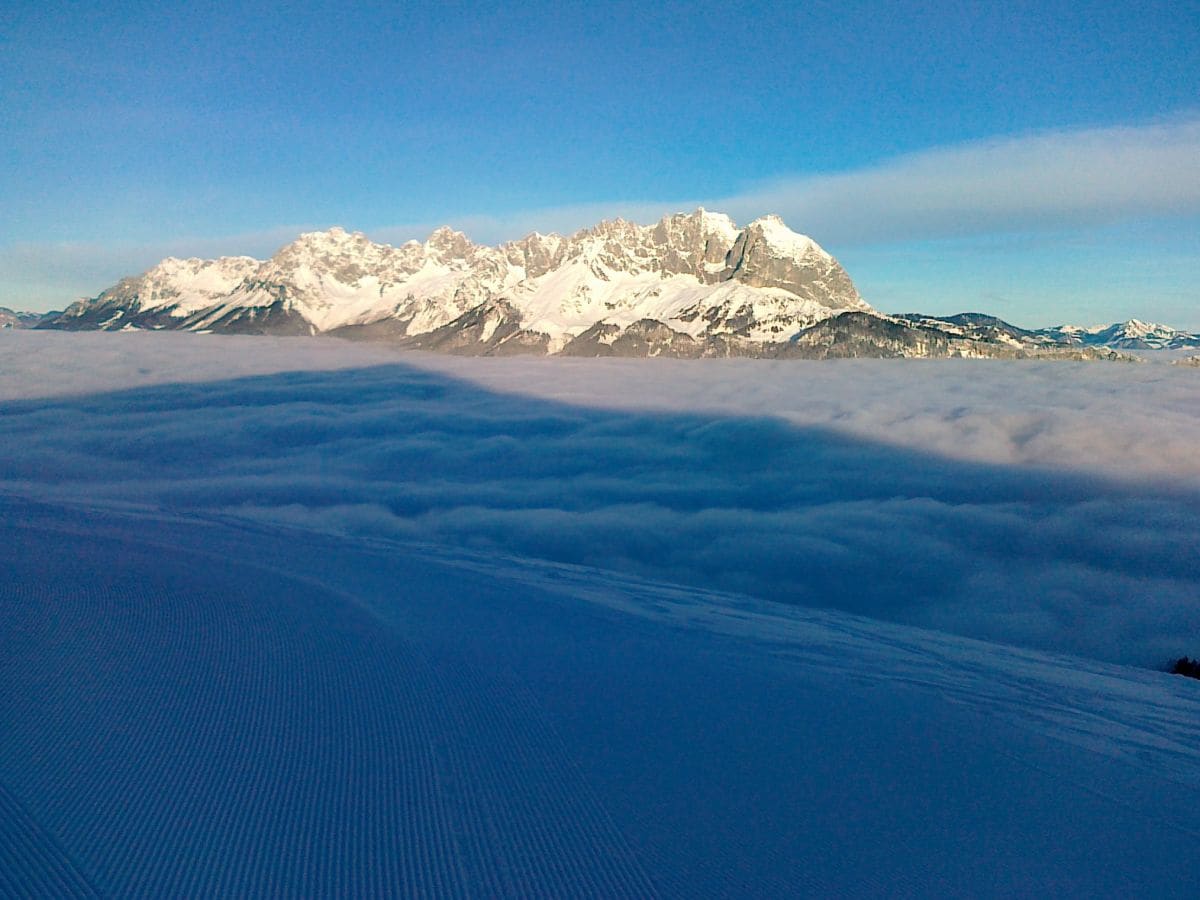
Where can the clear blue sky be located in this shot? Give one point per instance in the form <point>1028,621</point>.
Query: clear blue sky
<point>1035,159</point>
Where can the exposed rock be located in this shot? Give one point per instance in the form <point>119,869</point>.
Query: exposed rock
<point>767,254</point>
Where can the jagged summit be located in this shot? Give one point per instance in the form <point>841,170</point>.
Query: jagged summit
<point>449,244</point>
<point>691,284</point>
<point>695,272</point>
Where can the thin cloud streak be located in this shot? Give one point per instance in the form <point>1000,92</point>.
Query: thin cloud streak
<point>1059,179</point>
<point>1053,180</point>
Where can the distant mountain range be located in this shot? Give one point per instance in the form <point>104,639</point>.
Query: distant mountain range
<point>11,318</point>
<point>1132,335</point>
<point>690,285</point>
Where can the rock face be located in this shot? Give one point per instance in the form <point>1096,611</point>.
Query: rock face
<point>767,254</point>
<point>690,285</point>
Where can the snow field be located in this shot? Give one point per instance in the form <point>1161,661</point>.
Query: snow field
<point>200,708</point>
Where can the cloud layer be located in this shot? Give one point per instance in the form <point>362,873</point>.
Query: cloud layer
<point>811,512</point>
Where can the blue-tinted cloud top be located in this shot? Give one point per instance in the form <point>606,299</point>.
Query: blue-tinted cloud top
<point>788,505</point>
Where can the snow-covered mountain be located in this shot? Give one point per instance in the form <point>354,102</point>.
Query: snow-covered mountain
<point>692,284</point>
<point>165,296</point>
<point>1132,335</point>
<point>13,318</point>
<point>698,274</point>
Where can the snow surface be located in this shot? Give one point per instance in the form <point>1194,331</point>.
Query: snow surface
<point>195,708</point>
<point>298,617</point>
<point>190,285</point>
<point>782,239</point>
<point>569,301</point>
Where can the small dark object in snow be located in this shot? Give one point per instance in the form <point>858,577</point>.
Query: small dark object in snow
<point>1185,666</point>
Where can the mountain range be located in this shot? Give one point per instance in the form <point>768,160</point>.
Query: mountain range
<point>11,318</point>
<point>690,285</point>
<point>1131,335</point>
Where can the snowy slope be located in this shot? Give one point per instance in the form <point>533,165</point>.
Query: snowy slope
<point>228,711</point>
<point>172,290</point>
<point>335,278</point>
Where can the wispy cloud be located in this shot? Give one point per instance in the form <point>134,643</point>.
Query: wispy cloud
<point>1055,179</point>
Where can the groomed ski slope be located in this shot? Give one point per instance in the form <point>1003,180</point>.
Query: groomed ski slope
<point>200,707</point>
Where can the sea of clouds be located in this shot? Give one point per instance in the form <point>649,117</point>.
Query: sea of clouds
<point>1052,505</point>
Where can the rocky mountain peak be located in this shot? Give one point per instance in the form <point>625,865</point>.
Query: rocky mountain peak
<point>446,244</point>
<point>768,254</point>
<point>695,243</point>
<point>346,255</point>
<point>336,236</point>
<point>1138,328</point>
<point>235,267</point>
<point>536,253</point>
<point>312,245</point>
<point>694,272</point>
<point>772,232</point>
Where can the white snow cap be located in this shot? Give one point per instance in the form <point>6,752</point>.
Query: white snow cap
<point>781,238</point>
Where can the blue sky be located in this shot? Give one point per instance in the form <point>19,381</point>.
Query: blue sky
<point>1036,160</point>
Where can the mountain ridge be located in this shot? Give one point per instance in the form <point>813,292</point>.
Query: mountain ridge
<point>15,318</point>
<point>692,284</point>
<point>696,272</point>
